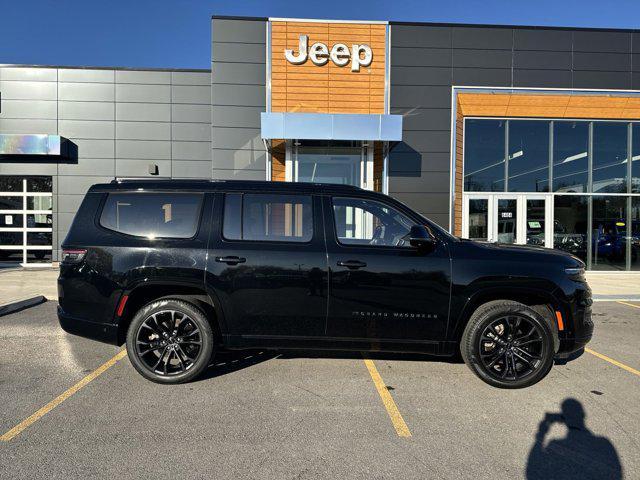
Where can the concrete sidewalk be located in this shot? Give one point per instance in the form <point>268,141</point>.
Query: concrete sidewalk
<point>19,284</point>
<point>22,283</point>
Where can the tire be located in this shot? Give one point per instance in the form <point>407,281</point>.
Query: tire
<point>508,344</point>
<point>170,341</point>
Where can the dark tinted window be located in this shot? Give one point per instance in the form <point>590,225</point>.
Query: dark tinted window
<point>570,224</point>
<point>262,217</point>
<point>635,159</point>
<point>570,156</point>
<point>528,156</point>
<point>484,155</point>
<point>609,157</point>
<point>152,215</point>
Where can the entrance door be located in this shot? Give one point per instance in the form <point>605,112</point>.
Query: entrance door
<point>26,226</point>
<point>341,162</point>
<point>523,219</point>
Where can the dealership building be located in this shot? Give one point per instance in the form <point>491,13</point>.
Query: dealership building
<point>525,135</point>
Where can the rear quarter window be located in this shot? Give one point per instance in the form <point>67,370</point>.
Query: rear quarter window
<point>152,215</point>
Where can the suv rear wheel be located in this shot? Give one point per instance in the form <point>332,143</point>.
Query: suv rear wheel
<point>508,344</point>
<point>170,341</point>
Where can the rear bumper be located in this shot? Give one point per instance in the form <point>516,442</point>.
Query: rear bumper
<point>103,332</point>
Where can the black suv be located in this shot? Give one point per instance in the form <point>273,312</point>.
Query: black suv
<point>179,269</point>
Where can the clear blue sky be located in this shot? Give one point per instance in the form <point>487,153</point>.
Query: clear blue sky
<point>176,33</point>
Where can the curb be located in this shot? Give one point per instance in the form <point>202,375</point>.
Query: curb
<point>21,305</point>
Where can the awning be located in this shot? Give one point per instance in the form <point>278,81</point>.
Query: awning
<point>32,144</point>
<point>331,126</point>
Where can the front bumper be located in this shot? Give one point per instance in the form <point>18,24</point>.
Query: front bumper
<point>107,333</point>
<point>581,326</point>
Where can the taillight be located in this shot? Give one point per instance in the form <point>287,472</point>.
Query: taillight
<point>73,255</point>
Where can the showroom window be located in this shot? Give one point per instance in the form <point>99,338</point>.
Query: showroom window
<point>573,185</point>
<point>528,159</point>
<point>484,155</point>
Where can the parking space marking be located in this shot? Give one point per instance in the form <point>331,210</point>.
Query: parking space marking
<point>612,361</point>
<point>392,409</point>
<point>629,304</point>
<point>62,397</point>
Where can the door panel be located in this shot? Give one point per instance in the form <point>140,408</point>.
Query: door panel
<point>381,288</point>
<point>270,273</point>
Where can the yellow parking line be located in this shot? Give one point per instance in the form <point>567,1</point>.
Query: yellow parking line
<point>394,414</point>
<point>612,361</point>
<point>62,397</point>
<point>629,304</point>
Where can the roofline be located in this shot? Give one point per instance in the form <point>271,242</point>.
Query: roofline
<point>516,26</point>
<point>238,17</point>
<point>448,24</point>
<point>88,67</point>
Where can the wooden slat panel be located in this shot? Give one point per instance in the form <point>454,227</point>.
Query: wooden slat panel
<point>327,88</point>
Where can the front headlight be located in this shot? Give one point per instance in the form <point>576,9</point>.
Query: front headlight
<point>575,272</point>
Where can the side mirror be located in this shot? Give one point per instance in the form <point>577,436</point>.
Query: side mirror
<point>420,238</point>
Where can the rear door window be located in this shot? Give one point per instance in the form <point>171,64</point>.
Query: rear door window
<point>153,215</point>
<point>266,217</point>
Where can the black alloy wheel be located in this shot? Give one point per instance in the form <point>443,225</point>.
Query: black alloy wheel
<point>508,344</point>
<point>170,341</point>
<point>511,347</point>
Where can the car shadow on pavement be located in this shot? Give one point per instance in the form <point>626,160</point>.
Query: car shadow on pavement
<point>230,361</point>
<point>580,454</point>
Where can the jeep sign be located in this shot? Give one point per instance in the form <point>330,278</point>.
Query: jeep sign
<point>359,55</point>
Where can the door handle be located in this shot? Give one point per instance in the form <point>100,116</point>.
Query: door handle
<point>351,264</point>
<point>232,260</point>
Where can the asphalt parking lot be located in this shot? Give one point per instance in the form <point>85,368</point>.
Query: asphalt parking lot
<point>269,415</point>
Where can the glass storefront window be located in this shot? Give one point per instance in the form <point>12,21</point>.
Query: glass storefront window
<point>570,156</point>
<point>535,222</point>
<point>484,162</point>
<point>635,158</point>
<point>634,218</point>
<point>507,220</point>
<point>570,224</point>
<point>609,233</point>
<point>478,219</point>
<point>610,157</point>
<point>528,156</point>
<point>329,162</point>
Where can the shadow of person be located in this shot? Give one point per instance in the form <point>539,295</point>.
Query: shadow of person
<point>580,454</point>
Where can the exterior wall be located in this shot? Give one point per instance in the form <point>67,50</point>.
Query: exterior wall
<point>427,60</point>
<point>120,120</point>
<point>238,96</point>
<point>327,88</point>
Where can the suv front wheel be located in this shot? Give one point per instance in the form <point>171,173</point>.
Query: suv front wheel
<point>170,341</point>
<point>508,344</point>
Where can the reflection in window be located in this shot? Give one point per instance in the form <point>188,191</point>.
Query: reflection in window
<point>570,224</point>
<point>478,219</point>
<point>484,155</point>
<point>609,157</point>
<point>570,156</point>
<point>528,156</point>
<point>329,162</point>
<point>609,233</point>
<point>634,217</point>
<point>367,222</point>
<point>635,159</point>
<point>152,215</point>
<point>263,217</point>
